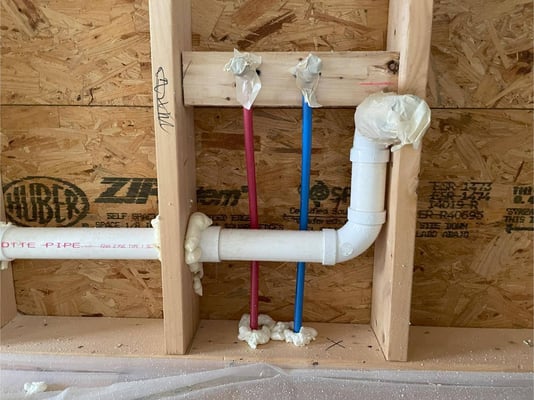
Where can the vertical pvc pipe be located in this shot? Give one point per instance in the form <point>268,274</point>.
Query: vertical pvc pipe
<point>304,207</point>
<point>253,211</point>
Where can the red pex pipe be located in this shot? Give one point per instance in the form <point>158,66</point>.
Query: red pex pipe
<point>253,211</point>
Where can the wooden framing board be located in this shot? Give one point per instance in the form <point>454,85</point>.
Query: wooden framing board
<point>346,78</point>
<point>7,293</point>
<point>432,348</point>
<point>409,31</point>
<point>8,304</point>
<point>170,23</point>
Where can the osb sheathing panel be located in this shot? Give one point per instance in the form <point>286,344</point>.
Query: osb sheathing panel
<point>73,53</point>
<point>276,25</point>
<point>476,197</point>
<point>482,54</point>
<point>80,149</point>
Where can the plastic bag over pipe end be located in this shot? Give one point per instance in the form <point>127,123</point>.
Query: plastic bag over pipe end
<point>307,73</point>
<point>393,119</point>
<point>248,84</point>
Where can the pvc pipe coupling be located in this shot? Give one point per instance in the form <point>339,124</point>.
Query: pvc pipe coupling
<point>3,229</point>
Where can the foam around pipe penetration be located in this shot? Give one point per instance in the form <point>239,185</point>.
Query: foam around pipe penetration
<point>272,330</point>
<point>197,223</point>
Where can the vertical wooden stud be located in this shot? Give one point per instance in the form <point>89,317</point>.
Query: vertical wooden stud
<point>170,34</point>
<point>7,293</point>
<point>8,308</point>
<point>409,31</point>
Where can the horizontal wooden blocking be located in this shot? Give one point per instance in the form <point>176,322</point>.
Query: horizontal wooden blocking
<point>346,78</point>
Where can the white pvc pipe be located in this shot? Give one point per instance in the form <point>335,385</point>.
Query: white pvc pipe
<point>366,215</point>
<point>78,243</point>
<point>218,244</point>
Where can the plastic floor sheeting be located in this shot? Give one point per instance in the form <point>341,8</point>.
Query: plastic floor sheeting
<point>85,377</point>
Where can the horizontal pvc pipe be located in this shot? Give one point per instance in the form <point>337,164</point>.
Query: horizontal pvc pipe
<point>78,243</point>
<point>218,244</point>
<point>327,246</point>
<point>270,245</point>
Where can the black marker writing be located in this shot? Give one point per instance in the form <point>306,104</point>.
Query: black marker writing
<point>164,116</point>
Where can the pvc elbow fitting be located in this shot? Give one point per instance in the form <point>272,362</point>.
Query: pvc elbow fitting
<point>353,239</point>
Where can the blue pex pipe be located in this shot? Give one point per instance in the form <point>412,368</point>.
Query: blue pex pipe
<point>304,207</point>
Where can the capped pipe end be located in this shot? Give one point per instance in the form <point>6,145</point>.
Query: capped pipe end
<point>393,119</point>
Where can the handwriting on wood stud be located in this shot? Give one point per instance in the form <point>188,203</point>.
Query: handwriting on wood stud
<point>160,89</point>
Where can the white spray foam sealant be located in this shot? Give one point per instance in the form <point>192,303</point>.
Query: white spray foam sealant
<point>197,223</point>
<point>284,331</point>
<point>31,388</point>
<point>271,330</point>
<point>253,337</point>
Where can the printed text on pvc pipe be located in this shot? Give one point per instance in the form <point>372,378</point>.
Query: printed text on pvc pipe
<point>46,245</point>
<point>70,245</point>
